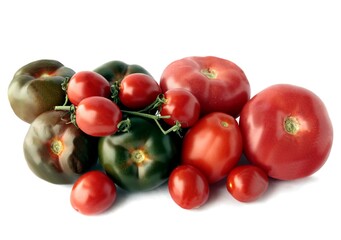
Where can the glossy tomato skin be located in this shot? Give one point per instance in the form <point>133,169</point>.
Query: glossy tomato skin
<point>247,183</point>
<point>286,131</point>
<point>213,145</point>
<point>56,151</point>
<point>93,193</point>
<point>36,88</point>
<point>138,90</point>
<point>188,187</point>
<point>219,85</point>
<point>140,159</point>
<point>182,106</point>
<point>86,84</point>
<point>98,116</point>
<point>114,71</point>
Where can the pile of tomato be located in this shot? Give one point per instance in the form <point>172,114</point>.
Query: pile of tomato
<point>116,126</point>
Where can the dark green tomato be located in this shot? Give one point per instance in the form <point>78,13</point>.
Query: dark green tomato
<point>36,88</point>
<point>141,159</point>
<point>115,71</point>
<point>56,150</point>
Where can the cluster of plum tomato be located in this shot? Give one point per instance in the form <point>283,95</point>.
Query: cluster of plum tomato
<point>189,129</point>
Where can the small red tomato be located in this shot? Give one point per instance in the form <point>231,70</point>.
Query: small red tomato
<point>182,106</point>
<point>213,145</point>
<point>86,84</point>
<point>98,116</point>
<point>247,183</point>
<point>93,193</point>
<point>188,187</point>
<point>138,90</point>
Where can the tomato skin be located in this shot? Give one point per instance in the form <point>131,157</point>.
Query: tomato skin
<point>98,116</point>
<point>140,159</point>
<point>114,71</point>
<point>286,131</point>
<point>93,193</point>
<point>182,106</point>
<point>246,183</point>
<point>188,187</point>
<point>58,152</point>
<point>213,145</point>
<point>138,90</point>
<point>219,85</point>
<point>36,88</point>
<point>86,84</point>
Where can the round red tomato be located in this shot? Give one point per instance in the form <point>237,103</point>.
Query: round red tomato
<point>188,187</point>
<point>86,84</point>
<point>213,145</point>
<point>98,116</point>
<point>182,106</point>
<point>138,90</point>
<point>219,85</point>
<point>286,131</point>
<point>247,183</point>
<point>93,193</point>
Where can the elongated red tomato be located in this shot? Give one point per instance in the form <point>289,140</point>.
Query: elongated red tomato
<point>86,84</point>
<point>93,193</point>
<point>188,187</point>
<point>286,131</point>
<point>213,145</point>
<point>247,183</point>
<point>98,116</point>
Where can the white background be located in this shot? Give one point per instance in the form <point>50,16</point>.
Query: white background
<point>295,42</point>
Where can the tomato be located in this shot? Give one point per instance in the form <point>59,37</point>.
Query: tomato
<point>86,84</point>
<point>98,116</point>
<point>188,187</point>
<point>246,183</point>
<point>219,85</point>
<point>36,88</point>
<point>213,145</point>
<point>286,131</point>
<point>140,159</point>
<point>182,106</point>
<point>138,90</point>
<point>93,193</point>
<point>58,152</point>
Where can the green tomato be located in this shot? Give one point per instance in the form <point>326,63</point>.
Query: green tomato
<point>57,151</point>
<point>115,71</point>
<point>141,159</point>
<point>36,88</point>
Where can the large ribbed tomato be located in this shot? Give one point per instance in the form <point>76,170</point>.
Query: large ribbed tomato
<point>219,84</point>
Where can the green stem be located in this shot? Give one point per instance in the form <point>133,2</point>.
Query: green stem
<point>145,115</point>
<point>160,99</point>
<point>175,128</point>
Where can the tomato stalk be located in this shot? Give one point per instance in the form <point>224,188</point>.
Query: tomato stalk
<point>175,128</point>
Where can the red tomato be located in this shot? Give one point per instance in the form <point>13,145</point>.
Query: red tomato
<point>213,145</point>
<point>286,131</point>
<point>247,183</point>
<point>138,90</point>
<point>182,106</point>
<point>188,187</point>
<point>218,84</point>
<point>93,193</point>
<point>86,84</point>
<point>98,116</point>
